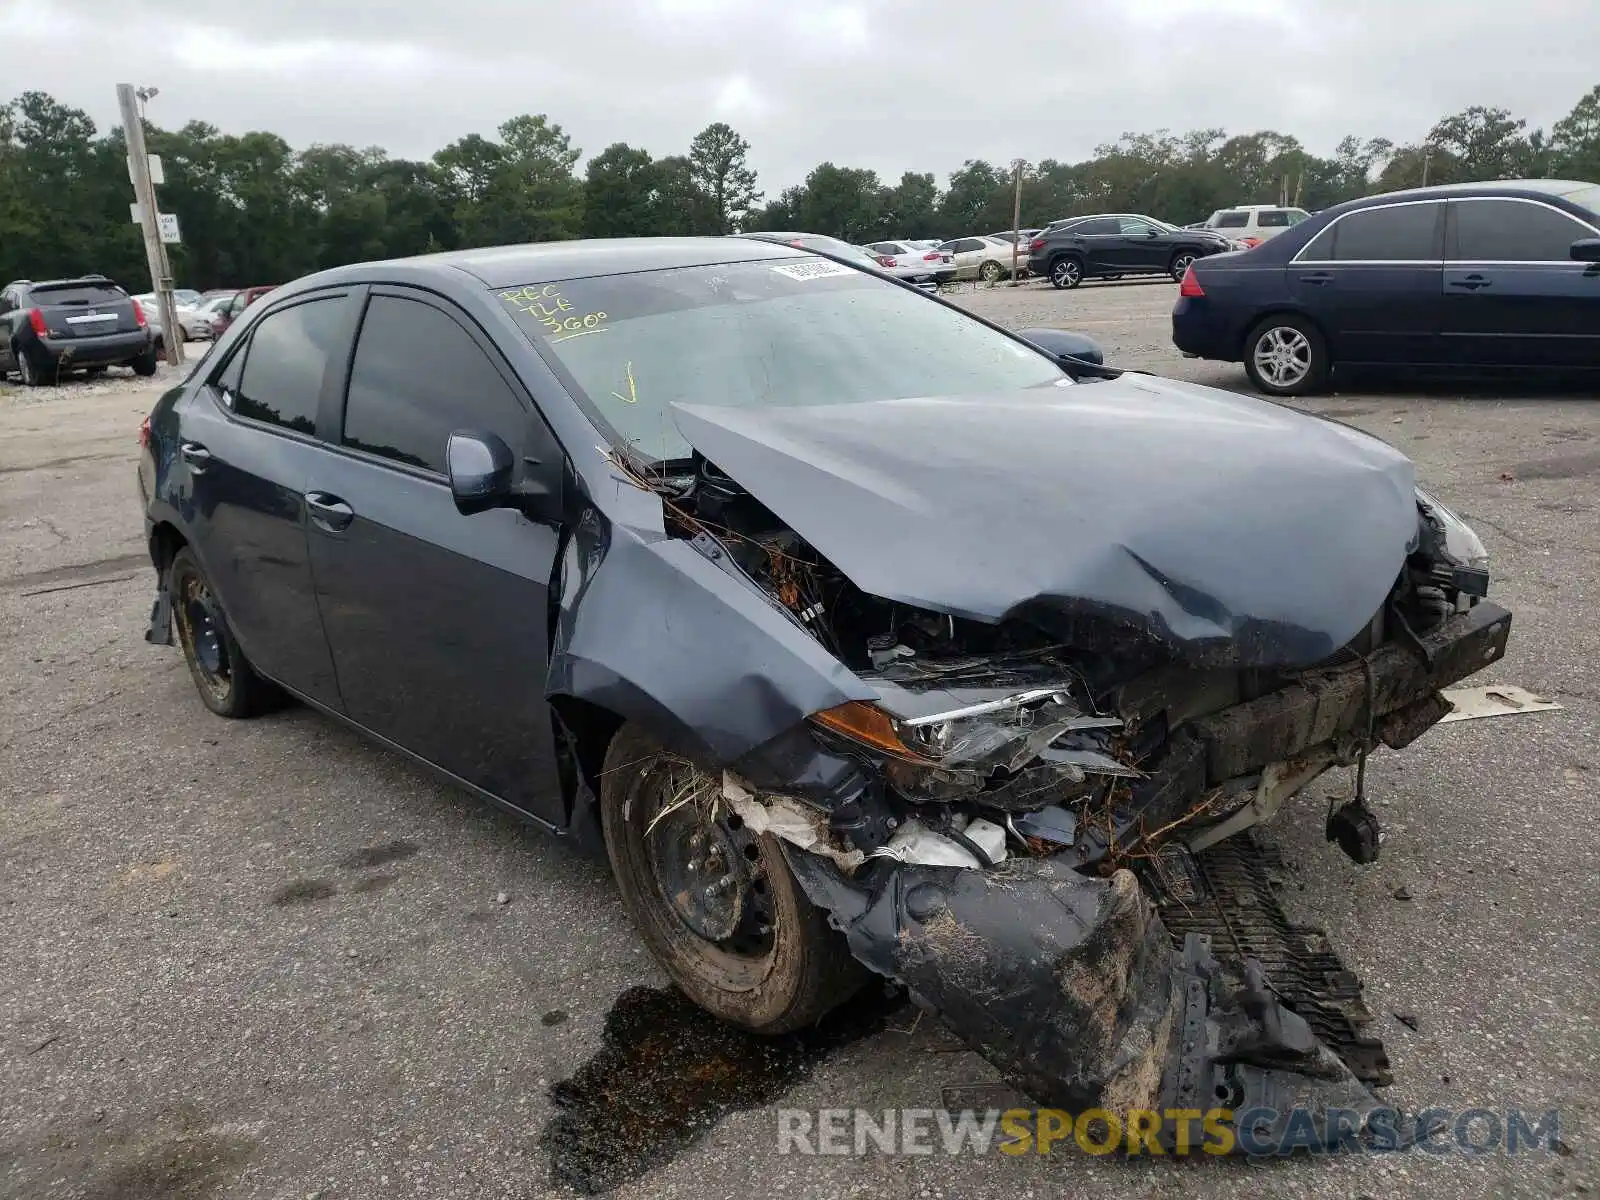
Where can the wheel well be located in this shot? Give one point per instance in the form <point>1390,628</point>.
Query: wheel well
<point>583,734</point>
<point>1060,254</point>
<point>165,542</point>
<point>1282,310</point>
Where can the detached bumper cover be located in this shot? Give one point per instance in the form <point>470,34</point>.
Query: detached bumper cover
<point>1069,985</point>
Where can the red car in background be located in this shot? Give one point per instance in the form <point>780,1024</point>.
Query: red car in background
<point>242,300</point>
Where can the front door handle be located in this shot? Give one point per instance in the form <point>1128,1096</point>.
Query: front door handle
<point>329,512</point>
<point>1317,278</point>
<point>1472,282</point>
<point>196,455</point>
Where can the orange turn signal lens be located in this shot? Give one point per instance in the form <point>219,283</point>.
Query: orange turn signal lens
<point>868,725</point>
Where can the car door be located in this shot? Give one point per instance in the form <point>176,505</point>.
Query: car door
<point>1513,296</point>
<point>1371,281</point>
<point>1143,248</point>
<point>246,442</point>
<point>8,310</point>
<point>1095,241</point>
<point>439,622</point>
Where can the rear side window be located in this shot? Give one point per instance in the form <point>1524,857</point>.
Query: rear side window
<point>283,368</point>
<point>418,376</point>
<point>1272,218</point>
<point>1231,220</point>
<point>1513,231</point>
<point>1097,227</point>
<point>1395,233</point>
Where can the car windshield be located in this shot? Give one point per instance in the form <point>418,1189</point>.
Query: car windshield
<point>778,333</point>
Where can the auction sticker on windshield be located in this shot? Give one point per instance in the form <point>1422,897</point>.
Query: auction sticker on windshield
<point>814,270</point>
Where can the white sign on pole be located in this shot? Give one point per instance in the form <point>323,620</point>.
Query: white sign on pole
<point>169,228</point>
<point>156,175</point>
<point>136,211</point>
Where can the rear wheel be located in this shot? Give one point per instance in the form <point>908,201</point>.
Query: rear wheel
<point>1285,355</point>
<point>227,684</point>
<point>716,904</point>
<point>1066,272</point>
<point>34,368</point>
<point>1181,262</point>
<point>145,364</point>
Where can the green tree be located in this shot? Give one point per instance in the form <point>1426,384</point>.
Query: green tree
<point>843,202</point>
<point>1575,140</point>
<point>911,208</point>
<point>719,171</point>
<point>620,193</point>
<point>1481,144</point>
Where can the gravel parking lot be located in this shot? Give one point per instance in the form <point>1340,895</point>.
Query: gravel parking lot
<point>265,959</point>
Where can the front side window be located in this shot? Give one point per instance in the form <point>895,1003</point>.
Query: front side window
<point>776,333</point>
<point>284,364</point>
<point>1135,228</point>
<point>1513,231</point>
<point>417,376</point>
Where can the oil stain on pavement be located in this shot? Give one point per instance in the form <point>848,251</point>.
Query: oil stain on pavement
<point>667,1071</point>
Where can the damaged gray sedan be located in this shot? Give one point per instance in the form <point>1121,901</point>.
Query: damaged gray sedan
<point>864,637</point>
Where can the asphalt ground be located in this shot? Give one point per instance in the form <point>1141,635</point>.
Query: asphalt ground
<point>266,959</point>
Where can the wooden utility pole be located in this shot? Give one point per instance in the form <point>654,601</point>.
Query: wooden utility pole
<point>1016,221</point>
<point>144,191</point>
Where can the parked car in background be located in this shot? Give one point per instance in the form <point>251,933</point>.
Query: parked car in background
<point>985,258</point>
<point>187,297</point>
<point>1111,245</point>
<point>196,325</point>
<point>239,301</point>
<point>1467,276</point>
<point>54,326</point>
<point>907,260</point>
<point>1253,224</point>
<point>1023,235</point>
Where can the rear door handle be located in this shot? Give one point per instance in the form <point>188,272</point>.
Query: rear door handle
<point>1318,278</point>
<point>196,455</point>
<point>329,512</point>
<point>1472,282</point>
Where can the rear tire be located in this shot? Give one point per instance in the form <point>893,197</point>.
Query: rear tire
<point>1285,355</point>
<point>773,982</point>
<point>227,684</point>
<point>145,364</point>
<point>1066,272</point>
<point>34,368</point>
<point>1181,262</point>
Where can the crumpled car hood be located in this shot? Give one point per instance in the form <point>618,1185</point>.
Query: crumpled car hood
<point>1231,530</point>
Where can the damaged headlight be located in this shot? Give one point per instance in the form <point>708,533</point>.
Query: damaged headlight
<point>1007,732</point>
<point>1459,545</point>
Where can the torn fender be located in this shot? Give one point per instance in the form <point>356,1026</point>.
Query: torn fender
<point>1070,987</point>
<point>651,629</point>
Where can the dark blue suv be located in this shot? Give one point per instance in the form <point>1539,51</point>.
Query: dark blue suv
<point>1469,276</point>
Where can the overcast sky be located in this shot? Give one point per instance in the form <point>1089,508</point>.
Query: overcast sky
<point>889,84</point>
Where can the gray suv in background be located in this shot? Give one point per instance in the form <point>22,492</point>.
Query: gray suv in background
<point>58,325</point>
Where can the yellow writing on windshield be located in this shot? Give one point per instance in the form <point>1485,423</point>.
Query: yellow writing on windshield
<point>560,318</point>
<point>633,389</point>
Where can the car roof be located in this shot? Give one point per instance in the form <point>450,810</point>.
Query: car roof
<point>1526,188</point>
<point>1259,208</point>
<point>548,262</point>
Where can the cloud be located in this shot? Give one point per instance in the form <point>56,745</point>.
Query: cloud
<point>893,85</point>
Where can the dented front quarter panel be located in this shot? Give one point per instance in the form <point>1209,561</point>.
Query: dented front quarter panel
<point>650,629</point>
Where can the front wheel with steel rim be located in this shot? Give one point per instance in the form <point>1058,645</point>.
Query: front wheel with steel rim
<point>1285,356</point>
<point>1181,262</point>
<point>716,904</point>
<point>1066,273</point>
<point>991,272</point>
<point>227,684</point>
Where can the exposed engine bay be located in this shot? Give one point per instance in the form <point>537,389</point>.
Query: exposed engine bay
<point>1010,827</point>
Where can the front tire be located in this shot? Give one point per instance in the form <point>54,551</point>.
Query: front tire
<point>227,684</point>
<point>1181,262</point>
<point>1066,272</point>
<point>991,272</point>
<point>1285,355</point>
<point>717,906</point>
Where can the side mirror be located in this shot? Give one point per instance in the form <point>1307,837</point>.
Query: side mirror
<point>1077,355</point>
<point>480,466</point>
<point>1586,250</point>
<point>1150,233</point>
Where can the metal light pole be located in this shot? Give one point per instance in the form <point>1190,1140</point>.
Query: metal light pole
<point>144,191</point>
